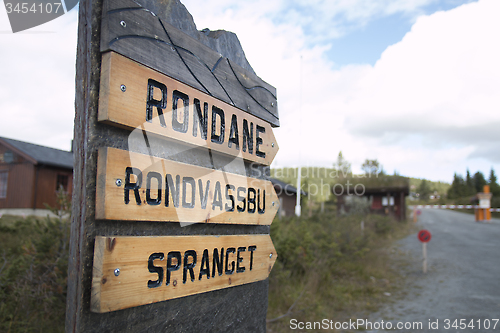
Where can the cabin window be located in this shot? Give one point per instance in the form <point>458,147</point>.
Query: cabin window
<point>62,180</point>
<point>7,157</point>
<point>4,176</point>
<point>387,201</point>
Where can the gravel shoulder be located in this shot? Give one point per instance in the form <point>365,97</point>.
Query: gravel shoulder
<point>462,281</point>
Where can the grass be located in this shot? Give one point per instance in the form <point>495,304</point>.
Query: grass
<point>33,269</point>
<point>328,267</point>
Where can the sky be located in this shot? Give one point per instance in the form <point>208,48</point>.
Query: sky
<point>414,84</point>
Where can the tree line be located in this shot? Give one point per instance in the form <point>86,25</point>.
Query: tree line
<point>470,185</point>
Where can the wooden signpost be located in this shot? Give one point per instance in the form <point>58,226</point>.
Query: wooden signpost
<point>132,271</point>
<point>171,201</point>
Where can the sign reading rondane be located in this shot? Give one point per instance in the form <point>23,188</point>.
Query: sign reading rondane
<point>135,96</point>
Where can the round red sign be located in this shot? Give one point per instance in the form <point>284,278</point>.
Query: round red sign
<point>424,236</point>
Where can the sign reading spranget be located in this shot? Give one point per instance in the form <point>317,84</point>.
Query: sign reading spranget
<point>132,186</point>
<point>131,271</point>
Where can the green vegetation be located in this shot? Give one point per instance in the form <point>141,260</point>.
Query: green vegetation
<point>328,267</point>
<point>469,186</point>
<point>318,181</point>
<point>33,271</point>
<point>424,188</point>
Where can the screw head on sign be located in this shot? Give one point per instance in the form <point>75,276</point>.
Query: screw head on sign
<point>118,182</point>
<point>270,255</point>
<point>272,104</point>
<point>272,144</point>
<point>123,24</point>
<point>117,271</point>
<point>123,88</point>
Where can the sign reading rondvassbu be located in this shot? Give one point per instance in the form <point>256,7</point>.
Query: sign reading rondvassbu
<point>138,187</point>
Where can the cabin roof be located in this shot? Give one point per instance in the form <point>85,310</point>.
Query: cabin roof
<point>285,186</point>
<point>40,154</point>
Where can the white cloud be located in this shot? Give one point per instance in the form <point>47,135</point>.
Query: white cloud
<point>444,74</point>
<point>320,20</point>
<point>332,19</point>
<point>418,109</point>
<point>422,109</point>
<point>37,83</point>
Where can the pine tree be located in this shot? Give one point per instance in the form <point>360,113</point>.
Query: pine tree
<point>424,189</point>
<point>469,184</point>
<point>494,187</point>
<point>452,191</point>
<point>458,189</point>
<point>342,166</point>
<point>479,181</point>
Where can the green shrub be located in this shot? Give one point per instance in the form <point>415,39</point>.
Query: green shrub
<point>33,276</point>
<point>33,272</point>
<point>327,264</point>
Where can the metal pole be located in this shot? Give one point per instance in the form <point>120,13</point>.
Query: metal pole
<point>297,205</point>
<point>424,250</point>
<point>299,177</point>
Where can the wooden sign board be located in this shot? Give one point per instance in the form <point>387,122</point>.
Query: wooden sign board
<point>484,200</point>
<point>132,271</point>
<point>134,96</point>
<point>137,187</point>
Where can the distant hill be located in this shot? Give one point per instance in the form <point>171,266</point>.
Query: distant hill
<point>440,187</point>
<point>318,181</point>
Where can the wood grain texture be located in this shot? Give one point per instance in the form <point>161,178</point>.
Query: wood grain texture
<point>86,99</point>
<point>189,181</point>
<point>139,34</point>
<point>128,109</point>
<point>243,307</point>
<point>130,255</point>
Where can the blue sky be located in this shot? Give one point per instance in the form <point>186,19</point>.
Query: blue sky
<point>412,83</point>
<point>364,43</point>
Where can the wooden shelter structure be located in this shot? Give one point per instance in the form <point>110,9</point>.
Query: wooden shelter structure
<point>385,194</point>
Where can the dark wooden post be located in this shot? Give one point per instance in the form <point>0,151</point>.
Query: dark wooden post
<point>83,225</point>
<point>402,205</point>
<point>235,309</point>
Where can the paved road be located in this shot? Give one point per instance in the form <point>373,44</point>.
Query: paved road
<point>463,278</point>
